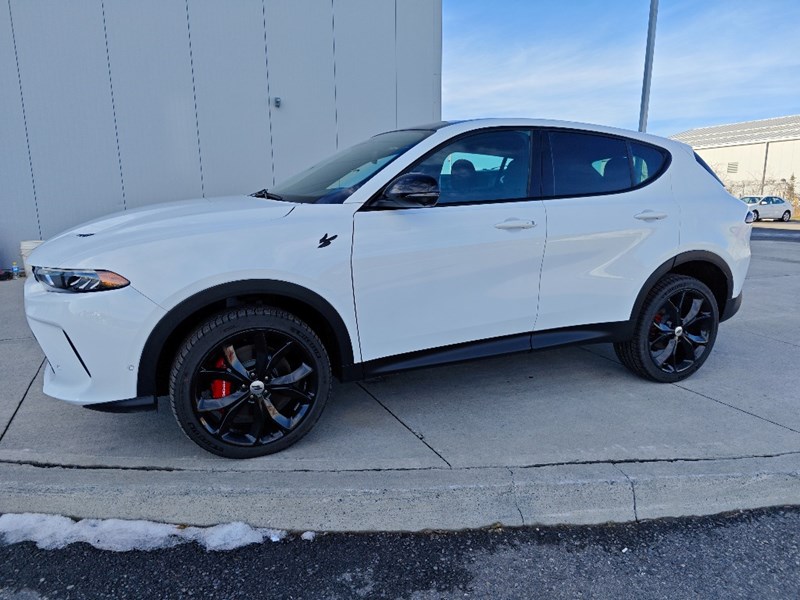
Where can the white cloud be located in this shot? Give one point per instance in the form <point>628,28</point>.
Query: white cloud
<point>714,63</point>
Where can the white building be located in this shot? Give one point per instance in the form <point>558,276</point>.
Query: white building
<point>755,157</point>
<point>107,105</point>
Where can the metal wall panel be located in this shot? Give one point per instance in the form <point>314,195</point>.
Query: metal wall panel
<point>300,55</point>
<point>67,97</point>
<point>366,101</point>
<point>419,66</point>
<point>129,103</point>
<point>784,160</point>
<point>151,72</point>
<point>18,219</point>
<point>230,77</point>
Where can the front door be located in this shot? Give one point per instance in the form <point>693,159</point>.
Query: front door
<point>466,269</point>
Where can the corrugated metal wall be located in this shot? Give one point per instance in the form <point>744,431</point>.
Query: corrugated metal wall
<point>107,105</point>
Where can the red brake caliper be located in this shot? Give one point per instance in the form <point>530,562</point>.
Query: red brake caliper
<point>219,387</point>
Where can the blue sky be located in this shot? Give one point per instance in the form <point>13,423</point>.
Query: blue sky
<point>716,61</point>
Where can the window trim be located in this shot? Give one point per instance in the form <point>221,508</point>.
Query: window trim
<point>535,150</point>
<point>548,178</point>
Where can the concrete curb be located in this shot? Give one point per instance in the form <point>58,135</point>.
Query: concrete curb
<point>407,500</point>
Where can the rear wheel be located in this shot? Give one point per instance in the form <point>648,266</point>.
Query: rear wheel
<point>675,331</point>
<point>249,382</point>
<point>786,216</point>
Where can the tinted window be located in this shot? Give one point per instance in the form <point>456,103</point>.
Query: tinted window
<point>588,164</point>
<point>334,179</point>
<point>647,162</point>
<point>494,165</point>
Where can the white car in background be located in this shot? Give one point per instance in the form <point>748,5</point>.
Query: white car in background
<point>768,207</point>
<point>418,247</point>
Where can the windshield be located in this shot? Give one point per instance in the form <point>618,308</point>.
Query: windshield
<point>334,179</point>
<point>750,199</point>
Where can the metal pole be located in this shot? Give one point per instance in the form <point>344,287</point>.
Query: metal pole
<point>648,65</point>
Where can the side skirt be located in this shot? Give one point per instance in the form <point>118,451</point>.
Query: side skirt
<point>458,353</point>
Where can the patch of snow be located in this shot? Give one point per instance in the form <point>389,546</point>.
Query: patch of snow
<point>55,531</point>
<point>308,536</point>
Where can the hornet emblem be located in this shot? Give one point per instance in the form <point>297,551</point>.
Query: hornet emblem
<point>326,241</point>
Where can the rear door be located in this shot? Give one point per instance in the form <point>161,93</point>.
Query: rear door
<point>611,221</point>
<point>466,269</point>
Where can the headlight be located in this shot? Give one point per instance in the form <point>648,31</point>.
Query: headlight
<point>79,280</point>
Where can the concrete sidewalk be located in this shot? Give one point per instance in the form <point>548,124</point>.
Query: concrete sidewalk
<point>563,436</point>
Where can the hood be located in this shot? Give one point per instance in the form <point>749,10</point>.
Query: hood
<point>91,244</point>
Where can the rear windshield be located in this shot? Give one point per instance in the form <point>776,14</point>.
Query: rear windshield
<point>707,168</point>
<point>334,179</point>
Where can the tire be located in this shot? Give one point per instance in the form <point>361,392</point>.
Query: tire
<point>755,215</point>
<point>675,331</point>
<point>786,216</point>
<point>249,381</point>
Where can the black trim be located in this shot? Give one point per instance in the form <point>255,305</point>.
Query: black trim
<point>680,259</point>
<point>511,344</point>
<point>151,354</point>
<point>139,404</point>
<point>731,308</point>
<point>447,355</point>
<point>77,354</point>
<point>714,259</point>
<point>617,331</point>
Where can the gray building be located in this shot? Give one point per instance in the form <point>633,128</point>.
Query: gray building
<point>752,158</point>
<point>108,105</point>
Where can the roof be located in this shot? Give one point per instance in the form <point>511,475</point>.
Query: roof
<point>749,132</point>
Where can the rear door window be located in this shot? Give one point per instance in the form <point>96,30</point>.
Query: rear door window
<point>585,164</point>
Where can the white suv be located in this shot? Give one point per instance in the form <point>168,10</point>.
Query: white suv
<point>418,247</point>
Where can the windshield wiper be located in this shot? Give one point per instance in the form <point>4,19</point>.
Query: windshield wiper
<point>265,193</point>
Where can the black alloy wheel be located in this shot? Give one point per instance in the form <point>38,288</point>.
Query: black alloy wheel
<point>675,331</point>
<point>680,331</point>
<point>249,382</point>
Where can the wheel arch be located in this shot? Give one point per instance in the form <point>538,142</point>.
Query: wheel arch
<point>166,337</point>
<point>703,265</point>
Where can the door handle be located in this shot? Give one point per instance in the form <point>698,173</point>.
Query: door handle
<point>515,224</point>
<point>650,215</point>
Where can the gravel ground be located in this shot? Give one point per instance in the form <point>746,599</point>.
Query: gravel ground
<point>753,554</point>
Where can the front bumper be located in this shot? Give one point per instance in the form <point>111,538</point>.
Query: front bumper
<point>93,341</point>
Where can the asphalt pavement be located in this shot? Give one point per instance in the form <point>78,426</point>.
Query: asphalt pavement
<point>742,555</point>
<point>561,436</point>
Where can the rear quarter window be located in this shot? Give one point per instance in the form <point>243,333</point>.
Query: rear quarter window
<point>648,162</point>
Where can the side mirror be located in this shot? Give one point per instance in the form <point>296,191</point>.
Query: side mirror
<point>763,202</point>
<point>412,190</point>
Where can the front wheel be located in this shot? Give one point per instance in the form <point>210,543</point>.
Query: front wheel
<point>786,216</point>
<point>674,332</point>
<point>249,382</point>
<point>755,215</point>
